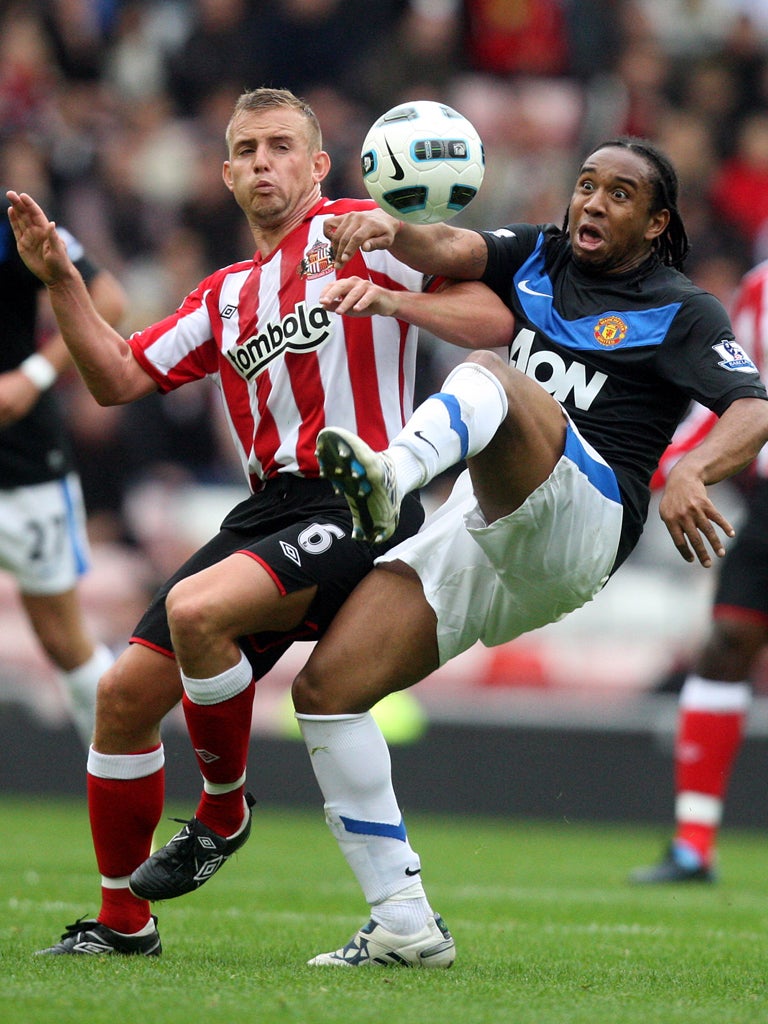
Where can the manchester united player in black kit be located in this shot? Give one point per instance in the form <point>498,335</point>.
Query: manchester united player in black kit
<point>42,518</point>
<point>610,344</point>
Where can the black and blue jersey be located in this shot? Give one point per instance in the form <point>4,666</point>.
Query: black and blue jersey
<point>624,354</point>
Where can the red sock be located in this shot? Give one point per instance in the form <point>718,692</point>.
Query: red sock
<point>221,735</point>
<point>705,752</point>
<point>701,838</point>
<point>124,814</point>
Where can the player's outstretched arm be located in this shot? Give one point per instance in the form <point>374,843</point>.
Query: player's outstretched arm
<point>730,446</point>
<point>104,359</point>
<point>464,313</point>
<point>438,249</point>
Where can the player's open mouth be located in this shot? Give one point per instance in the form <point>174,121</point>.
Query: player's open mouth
<point>589,237</point>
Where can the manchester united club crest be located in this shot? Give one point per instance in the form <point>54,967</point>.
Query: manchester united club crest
<point>317,261</point>
<point>610,330</point>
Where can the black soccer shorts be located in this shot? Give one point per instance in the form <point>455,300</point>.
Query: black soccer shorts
<point>302,532</point>
<point>743,580</point>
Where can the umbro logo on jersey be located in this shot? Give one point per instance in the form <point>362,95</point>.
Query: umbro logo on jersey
<point>290,552</point>
<point>397,171</point>
<point>303,330</point>
<point>228,312</point>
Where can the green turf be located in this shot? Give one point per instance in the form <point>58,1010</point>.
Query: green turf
<point>547,930</point>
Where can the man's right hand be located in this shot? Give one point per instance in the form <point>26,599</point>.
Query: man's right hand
<point>363,229</point>
<point>38,241</point>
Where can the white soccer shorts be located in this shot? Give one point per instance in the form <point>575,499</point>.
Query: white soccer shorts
<point>43,540</point>
<point>550,556</point>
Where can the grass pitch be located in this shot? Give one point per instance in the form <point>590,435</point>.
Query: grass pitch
<point>547,930</point>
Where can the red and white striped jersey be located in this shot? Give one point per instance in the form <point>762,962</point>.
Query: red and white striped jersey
<point>286,366</point>
<point>749,316</point>
<point>750,325</point>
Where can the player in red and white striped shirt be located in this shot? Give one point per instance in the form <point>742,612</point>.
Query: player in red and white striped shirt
<point>717,693</point>
<point>284,559</point>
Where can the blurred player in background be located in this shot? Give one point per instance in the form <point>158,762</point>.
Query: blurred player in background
<point>285,558</point>
<point>717,692</point>
<point>43,541</point>
<point>611,343</point>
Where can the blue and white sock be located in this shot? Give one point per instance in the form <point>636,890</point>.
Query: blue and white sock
<point>351,762</point>
<point>454,424</point>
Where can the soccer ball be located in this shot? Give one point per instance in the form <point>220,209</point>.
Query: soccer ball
<point>422,162</point>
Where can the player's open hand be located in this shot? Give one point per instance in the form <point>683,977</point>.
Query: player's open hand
<point>38,242</point>
<point>691,518</point>
<point>354,296</point>
<point>364,229</point>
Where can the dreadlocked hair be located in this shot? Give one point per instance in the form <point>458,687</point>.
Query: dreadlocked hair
<point>672,245</point>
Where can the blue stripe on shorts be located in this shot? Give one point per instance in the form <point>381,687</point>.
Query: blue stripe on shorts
<point>598,473</point>
<point>81,561</point>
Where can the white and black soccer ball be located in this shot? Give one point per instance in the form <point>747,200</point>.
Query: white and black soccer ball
<point>423,162</point>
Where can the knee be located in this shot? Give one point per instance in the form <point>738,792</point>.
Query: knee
<point>731,648</point>
<point>189,617</point>
<point>490,361</point>
<point>307,695</point>
<point>313,695</point>
<point>496,372</point>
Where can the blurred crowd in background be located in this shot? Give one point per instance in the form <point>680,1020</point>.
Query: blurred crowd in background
<point>112,115</point>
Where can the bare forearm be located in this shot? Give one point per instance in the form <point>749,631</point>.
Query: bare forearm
<point>732,444</point>
<point>465,314</point>
<point>440,249</point>
<point>685,507</point>
<point>110,301</point>
<point>437,249</point>
<point>102,356</point>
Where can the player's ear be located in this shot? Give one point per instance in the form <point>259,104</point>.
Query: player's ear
<point>321,165</point>
<point>226,173</point>
<point>657,224</point>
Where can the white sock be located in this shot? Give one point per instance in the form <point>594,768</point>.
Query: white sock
<point>224,686</point>
<point>700,694</point>
<point>404,913</point>
<point>81,684</point>
<point>351,762</point>
<point>125,766</point>
<point>454,424</point>
<point>148,929</point>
